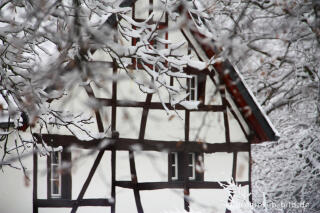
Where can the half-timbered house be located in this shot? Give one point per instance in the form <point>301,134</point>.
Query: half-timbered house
<point>152,162</point>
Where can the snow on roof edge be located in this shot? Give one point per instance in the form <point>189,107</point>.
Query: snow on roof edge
<point>277,134</point>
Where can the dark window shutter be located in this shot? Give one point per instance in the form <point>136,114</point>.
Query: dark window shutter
<point>66,175</point>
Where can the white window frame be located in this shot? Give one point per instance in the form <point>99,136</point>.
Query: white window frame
<point>192,165</point>
<point>175,165</point>
<point>52,179</point>
<point>192,89</point>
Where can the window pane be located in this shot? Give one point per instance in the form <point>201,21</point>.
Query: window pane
<point>173,158</point>
<point>173,171</point>
<point>55,171</point>
<point>190,157</point>
<point>191,95</point>
<point>55,157</point>
<point>55,186</point>
<point>190,171</point>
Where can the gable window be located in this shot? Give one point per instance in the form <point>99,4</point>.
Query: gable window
<point>176,166</point>
<point>55,177</point>
<point>196,87</point>
<point>192,88</point>
<point>191,166</point>
<point>58,175</point>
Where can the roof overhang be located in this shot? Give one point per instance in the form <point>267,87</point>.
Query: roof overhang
<point>250,109</point>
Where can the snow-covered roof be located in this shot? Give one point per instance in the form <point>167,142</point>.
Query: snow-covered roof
<point>235,84</point>
<point>248,92</point>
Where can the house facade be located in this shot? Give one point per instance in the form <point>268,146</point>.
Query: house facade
<point>153,156</point>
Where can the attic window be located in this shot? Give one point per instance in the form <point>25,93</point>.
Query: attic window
<point>196,87</point>
<point>192,166</point>
<point>59,178</point>
<point>55,177</point>
<point>176,165</point>
<point>192,88</point>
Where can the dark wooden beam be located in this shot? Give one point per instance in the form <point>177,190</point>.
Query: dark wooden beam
<point>116,136</point>
<point>225,116</point>
<point>237,118</point>
<point>113,101</point>
<point>234,174</point>
<point>49,177</point>
<point>158,105</point>
<point>175,185</point>
<point>234,166</point>
<point>186,190</point>
<point>134,180</point>
<point>187,126</point>
<point>125,144</point>
<point>90,93</point>
<point>134,177</point>
<point>87,182</point>
<point>35,180</point>
<point>60,203</point>
<point>144,117</point>
<point>66,177</point>
<point>250,171</point>
<point>224,103</point>
<point>113,180</point>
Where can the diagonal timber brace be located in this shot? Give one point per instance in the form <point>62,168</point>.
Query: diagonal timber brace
<point>87,182</point>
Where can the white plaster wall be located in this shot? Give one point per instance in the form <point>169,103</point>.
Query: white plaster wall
<point>236,110</point>
<point>218,166</point>
<point>100,55</point>
<point>242,166</point>
<point>236,133</point>
<point>122,166</point>
<point>151,166</point>
<point>142,9</point>
<point>212,96</point>
<point>103,88</point>
<point>162,200</point>
<point>160,126</point>
<point>157,9</point>
<point>128,89</point>
<point>162,92</point>
<point>76,102</point>
<point>100,186</point>
<point>103,74</point>
<point>81,209</point>
<point>105,113</point>
<point>125,202</point>
<point>175,36</point>
<point>128,122</point>
<point>207,127</point>
<point>42,177</point>
<point>208,200</point>
<point>16,193</point>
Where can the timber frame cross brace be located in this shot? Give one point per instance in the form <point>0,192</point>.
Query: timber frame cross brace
<point>126,144</point>
<point>120,144</point>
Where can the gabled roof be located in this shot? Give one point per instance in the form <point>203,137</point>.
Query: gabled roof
<point>250,109</point>
<point>247,103</point>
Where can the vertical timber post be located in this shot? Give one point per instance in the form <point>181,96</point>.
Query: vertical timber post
<point>35,180</point>
<point>250,171</point>
<point>186,191</point>
<point>113,129</point>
